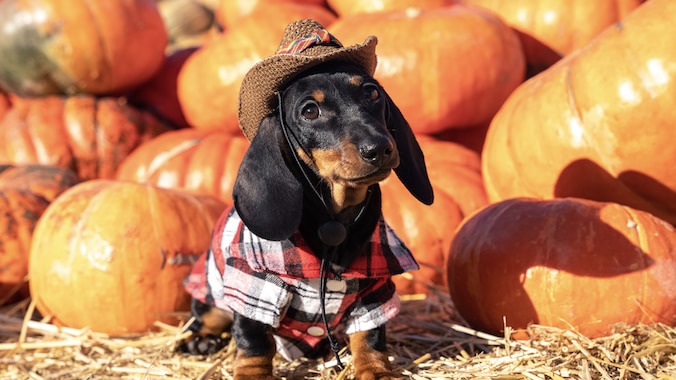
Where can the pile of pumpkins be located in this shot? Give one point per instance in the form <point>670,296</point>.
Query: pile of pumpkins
<point>546,126</point>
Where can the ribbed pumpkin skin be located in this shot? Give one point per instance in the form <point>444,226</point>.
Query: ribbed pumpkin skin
<point>448,67</point>
<point>426,231</point>
<point>454,172</point>
<point>230,12</point>
<point>5,104</point>
<point>25,192</point>
<point>564,263</point>
<point>209,82</point>
<point>197,160</point>
<point>87,134</point>
<point>349,7</point>
<point>563,25</point>
<point>597,125</point>
<point>112,255</point>
<point>90,46</point>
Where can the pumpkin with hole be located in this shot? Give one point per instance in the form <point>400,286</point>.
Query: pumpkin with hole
<point>567,263</point>
<point>209,82</point>
<point>121,250</point>
<point>191,159</point>
<point>449,67</point>
<point>90,46</point>
<point>25,192</point>
<point>87,134</point>
<point>597,125</point>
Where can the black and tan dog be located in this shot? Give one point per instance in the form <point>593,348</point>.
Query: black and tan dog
<point>305,247</point>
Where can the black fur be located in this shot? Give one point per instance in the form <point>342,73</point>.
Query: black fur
<point>276,193</point>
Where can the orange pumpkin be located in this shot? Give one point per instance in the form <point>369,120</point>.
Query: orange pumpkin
<point>190,159</point>
<point>564,263</point>
<point>5,104</point>
<point>230,12</point>
<point>563,25</point>
<point>86,134</point>
<point>112,255</point>
<point>598,124</point>
<point>92,46</point>
<point>209,82</point>
<point>445,68</point>
<point>25,192</point>
<point>455,175</point>
<point>424,230</point>
<point>349,7</point>
<point>160,94</point>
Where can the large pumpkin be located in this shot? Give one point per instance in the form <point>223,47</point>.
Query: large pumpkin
<point>445,68</point>
<point>93,46</point>
<point>25,192</point>
<point>455,175</point>
<point>209,82</point>
<point>112,255</point>
<point>564,263</point>
<point>597,125</point>
<point>86,134</point>
<point>191,159</point>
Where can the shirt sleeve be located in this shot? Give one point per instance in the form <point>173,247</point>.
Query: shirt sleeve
<point>260,296</point>
<point>378,304</point>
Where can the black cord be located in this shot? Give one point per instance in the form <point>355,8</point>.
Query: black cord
<point>323,276</point>
<point>286,132</point>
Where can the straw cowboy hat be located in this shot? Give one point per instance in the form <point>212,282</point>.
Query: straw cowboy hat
<point>305,44</point>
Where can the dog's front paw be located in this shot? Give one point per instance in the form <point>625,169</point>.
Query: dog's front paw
<point>198,344</point>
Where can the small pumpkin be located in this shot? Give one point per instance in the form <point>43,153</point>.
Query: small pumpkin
<point>454,172</point>
<point>209,82</point>
<point>89,135</point>
<point>90,46</point>
<point>449,67</point>
<point>197,160</point>
<point>565,262</point>
<point>112,255</point>
<point>598,124</point>
<point>25,192</point>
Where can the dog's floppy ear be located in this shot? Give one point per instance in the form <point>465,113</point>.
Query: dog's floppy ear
<point>267,196</point>
<point>411,170</point>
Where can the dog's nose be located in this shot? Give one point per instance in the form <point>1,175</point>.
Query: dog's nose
<point>376,151</point>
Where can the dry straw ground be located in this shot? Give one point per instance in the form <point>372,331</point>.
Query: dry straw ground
<point>428,341</point>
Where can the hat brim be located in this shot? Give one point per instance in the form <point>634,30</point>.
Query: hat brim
<point>258,93</point>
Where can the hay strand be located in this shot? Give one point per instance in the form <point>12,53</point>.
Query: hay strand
<point>428,340</point>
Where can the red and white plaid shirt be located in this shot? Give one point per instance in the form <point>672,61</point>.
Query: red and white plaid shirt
<point>277,283</point>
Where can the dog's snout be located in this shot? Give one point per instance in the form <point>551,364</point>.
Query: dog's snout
<point>376,151</point>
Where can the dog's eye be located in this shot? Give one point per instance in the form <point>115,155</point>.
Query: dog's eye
<point>310,111</point>
<point>371,92</point>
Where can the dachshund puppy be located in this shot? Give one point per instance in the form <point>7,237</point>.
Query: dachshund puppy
<point>305,247</point>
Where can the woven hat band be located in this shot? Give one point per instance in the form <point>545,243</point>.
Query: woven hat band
<point>316,37</point>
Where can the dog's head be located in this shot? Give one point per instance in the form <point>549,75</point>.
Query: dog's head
<point>346,133</point>
<point>319,123</point>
